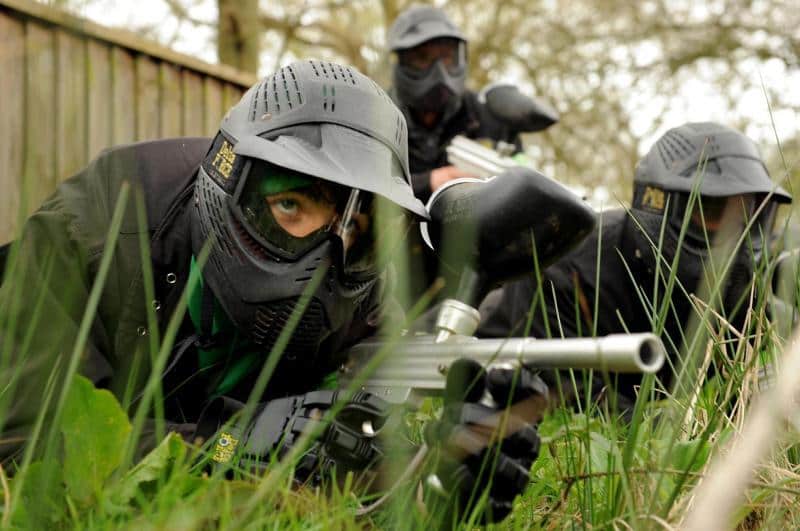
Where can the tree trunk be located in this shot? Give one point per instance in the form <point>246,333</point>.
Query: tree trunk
<point>239,34</point>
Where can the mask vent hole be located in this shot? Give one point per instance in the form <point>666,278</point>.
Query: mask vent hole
<point>674,147</point>
<point>296,85</point>
<point>275,94</point>
<point>255,101</point>
<point>271,319</point>
<point>329,96</point>
<point>347,75</point>
<point>286,88</point>
<point>214,212</point>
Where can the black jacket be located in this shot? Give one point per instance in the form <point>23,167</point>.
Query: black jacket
<point>60,254</point>
<point>426,147</point>
<point>571,289</point>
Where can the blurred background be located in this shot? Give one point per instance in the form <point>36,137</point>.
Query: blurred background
<point>620,73</point>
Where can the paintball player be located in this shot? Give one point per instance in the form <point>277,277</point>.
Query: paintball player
<point>732,191</point>
<point>429,86</point>
<point>286,192</point>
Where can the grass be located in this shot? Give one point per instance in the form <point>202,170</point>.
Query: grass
<point>595,470</point>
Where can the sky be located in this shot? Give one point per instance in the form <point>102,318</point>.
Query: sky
<point>697,100</point>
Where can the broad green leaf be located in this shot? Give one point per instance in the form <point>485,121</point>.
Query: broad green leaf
<point>43,502</point>
<point>690,456</point>
<point>154,465</point>
<point>600,451</point>
<point>95,430</point>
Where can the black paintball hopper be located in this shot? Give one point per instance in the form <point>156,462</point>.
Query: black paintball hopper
<point>520,113</point>
<point>493,224</point>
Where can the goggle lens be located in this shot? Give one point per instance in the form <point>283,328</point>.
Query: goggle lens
<point>291,213</point>
<point>420,59</point>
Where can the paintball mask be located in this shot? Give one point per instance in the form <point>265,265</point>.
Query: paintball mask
<point>709,179</point>
<point>291,214</point>
<point>288,190</point>
<point>431,68</point>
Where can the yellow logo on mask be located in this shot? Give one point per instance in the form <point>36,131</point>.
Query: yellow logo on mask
<point>224,159</point>
<point>653,198</point>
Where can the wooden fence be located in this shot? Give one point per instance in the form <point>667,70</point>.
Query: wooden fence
<point>69,88</point>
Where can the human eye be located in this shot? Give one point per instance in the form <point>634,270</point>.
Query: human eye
<point>287,206</point>
<point>299,212</point>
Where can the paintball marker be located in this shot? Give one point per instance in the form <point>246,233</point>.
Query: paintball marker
<point>483,162</point>
<point>418,366</point>
<point>508,223</point>
<point>520,114</point>
<point>501,227</point>
<point>477,159</point>
<point>517,113</point>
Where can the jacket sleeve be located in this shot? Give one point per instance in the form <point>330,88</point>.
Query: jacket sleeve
<point>42,302</point>
<point>554,307</point>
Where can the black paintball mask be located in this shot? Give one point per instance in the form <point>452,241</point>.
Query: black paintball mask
<point>288,194</point>
<point>431,69</point>
<point>704,187</point>
<point>431,77</point>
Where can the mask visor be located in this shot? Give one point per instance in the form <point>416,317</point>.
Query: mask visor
<point>419,60</point>
<point>290,213</point>
<point>712,218</point>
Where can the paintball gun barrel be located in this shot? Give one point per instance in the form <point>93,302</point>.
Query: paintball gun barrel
<point>420,364</point>
<point>477,159</point>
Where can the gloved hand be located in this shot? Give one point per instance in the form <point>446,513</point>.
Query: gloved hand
<point>347,442</point>
<point>487,446</point>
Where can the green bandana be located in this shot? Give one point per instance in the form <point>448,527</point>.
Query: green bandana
<point>283,182</point>
<point>225,365</point>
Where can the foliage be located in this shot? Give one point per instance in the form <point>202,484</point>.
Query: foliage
<point>596,468</point>
<point>618,72</point>
<point>95,430</point>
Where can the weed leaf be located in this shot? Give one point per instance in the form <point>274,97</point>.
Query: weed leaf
<point>155,465</point>
<point>95,430</point>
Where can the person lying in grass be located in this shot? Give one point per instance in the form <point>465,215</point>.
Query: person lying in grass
<point>701,187</point>
<point>268,236</point>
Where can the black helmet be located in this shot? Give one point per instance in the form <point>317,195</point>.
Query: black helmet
<point>711,179</point>
<point>716,161</point>
<point>431,69</point>
<point>328,133</point>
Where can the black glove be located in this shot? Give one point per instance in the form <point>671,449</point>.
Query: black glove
<point>347,442</point>
<point>468,433</point>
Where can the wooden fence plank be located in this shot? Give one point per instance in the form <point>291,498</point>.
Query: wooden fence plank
<point>170,101</point>
<point>70,88</point>
<point>99,116</point>
<point>70,104</point>
<point>192,100</point>
<point>230,96</point>
<point>123,108</point>
<point>12,126</point>
<point>39,171</point>
<point>147,98</point>
<point>118,37</point>
<point>212,103</point>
